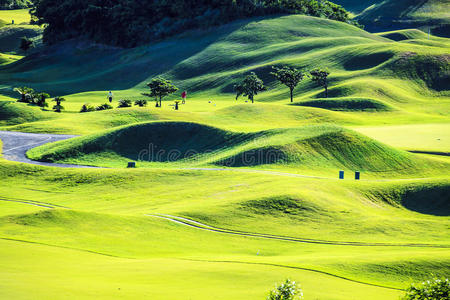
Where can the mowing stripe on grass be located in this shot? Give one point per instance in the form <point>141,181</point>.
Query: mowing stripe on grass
<point>63,247</point>
<point>198,225</point>
<point>296,268</point>
<point>32,202</point>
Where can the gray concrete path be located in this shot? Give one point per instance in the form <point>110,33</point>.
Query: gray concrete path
<point>16,145</point>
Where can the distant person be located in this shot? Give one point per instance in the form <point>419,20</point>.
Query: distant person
<point>183,96</point>
<point>110,96</point>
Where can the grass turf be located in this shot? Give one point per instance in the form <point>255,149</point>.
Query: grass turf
<point>109,248</point>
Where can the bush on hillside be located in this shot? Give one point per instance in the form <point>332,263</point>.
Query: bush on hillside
<point>436,289</point>
<point>134,22</point>
<point>140,103</point>
<point>87,108</point>
<point>104,106</point>
<point>124,103</point>
<point>289,290</point>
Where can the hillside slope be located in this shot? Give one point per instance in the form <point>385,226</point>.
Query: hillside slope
<point>212,61</point>
<point>399,14</point>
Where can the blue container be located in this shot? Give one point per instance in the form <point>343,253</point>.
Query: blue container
<point>357,175</point>
<point>341,174</point>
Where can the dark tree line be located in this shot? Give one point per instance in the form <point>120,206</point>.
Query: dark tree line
<point>133,22</point>
<point>14,4</point>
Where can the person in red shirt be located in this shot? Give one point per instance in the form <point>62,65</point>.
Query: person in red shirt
<point>183,96</point>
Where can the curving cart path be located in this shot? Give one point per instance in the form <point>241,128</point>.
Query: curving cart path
<point>16,145</point>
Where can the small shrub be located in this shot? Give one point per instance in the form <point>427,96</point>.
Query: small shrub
<point>289,290</point>
<point>26,43</point>
<point>436,289</point>
<point>140,103</point>
<point>104,107</point>
<point>124,103</point>
<point>87,108</point>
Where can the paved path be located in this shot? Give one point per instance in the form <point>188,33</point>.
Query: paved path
<point>16,144</point>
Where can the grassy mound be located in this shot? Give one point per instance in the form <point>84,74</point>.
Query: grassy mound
<point>432,70</point>
<point>346,104</point>
<point>332,148</point>
<point>154,142</point>
<point>398,14</point>
<point>429,198</point>
<point>13,113</point>
<point>317,147</point>
<point>405,34</point>
<point>286,205</point>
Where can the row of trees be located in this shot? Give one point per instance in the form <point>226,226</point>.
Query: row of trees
<point>288,76</point>
<point>250,86</point>
<point>133,22</point>
<point>28,95</point>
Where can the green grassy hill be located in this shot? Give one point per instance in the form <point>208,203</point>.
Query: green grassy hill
<point>313,148</point>
<point>356,6</point>
<point>424,14</point>
<point>12,114</point>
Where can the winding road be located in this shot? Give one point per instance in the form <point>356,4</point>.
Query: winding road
<point>16,145</point>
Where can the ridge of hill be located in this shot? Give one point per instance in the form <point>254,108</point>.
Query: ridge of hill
<point>402,14</point>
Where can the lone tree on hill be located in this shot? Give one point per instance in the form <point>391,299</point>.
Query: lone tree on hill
<point>250,87</point>
<point>160,88</point>
<point>288,76</point>
<point>24,92</point>
<point>321,77</point>
<point>58,107</point>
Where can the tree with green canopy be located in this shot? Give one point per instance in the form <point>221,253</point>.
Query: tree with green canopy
<point>250,87</point>
<point>288,76</point>
<point>160,88</point>
<point>321,77</point>
<point>58,107</point>
<point>25,92</point>
<point>40,99</point>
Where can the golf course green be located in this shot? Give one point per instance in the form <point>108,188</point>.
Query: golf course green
<point>227,197</point>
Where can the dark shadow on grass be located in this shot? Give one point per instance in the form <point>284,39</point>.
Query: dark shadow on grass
<point>428,200</point>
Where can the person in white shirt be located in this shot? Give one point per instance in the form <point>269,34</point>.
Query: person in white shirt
<point>110,96</point>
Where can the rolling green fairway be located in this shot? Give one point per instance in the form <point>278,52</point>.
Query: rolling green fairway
<point>242,195</point>
<point>20,16</point>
